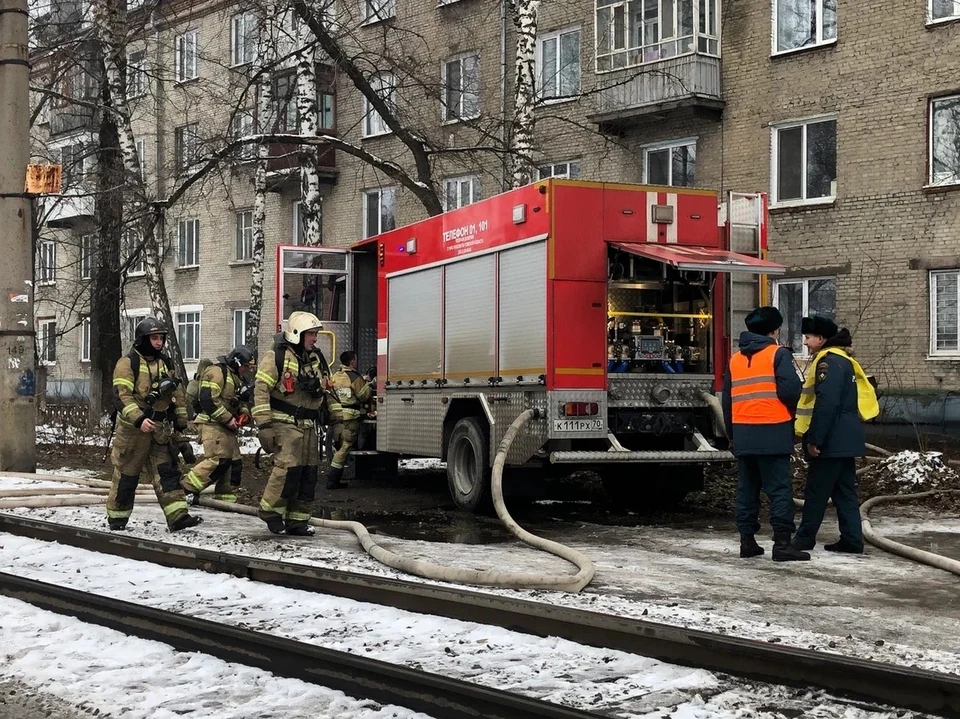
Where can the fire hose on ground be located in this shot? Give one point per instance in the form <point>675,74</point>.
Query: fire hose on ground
<point>95,491</point>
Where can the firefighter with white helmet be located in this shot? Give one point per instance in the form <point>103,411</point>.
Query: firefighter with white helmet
<point>288,400</point>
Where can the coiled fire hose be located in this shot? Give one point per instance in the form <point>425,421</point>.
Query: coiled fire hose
<point>95,492</point>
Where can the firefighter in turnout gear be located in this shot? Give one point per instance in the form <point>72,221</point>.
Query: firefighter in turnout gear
<point>760,394</point>
<point>223,396</point>
<point>353,393</point>
<point>288,401</point>
<point>151,407</point>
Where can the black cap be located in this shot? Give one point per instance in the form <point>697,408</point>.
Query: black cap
<point>818,325</point>
<point>764,320</point>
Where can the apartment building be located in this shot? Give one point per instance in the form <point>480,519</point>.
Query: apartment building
<point>848,118</point>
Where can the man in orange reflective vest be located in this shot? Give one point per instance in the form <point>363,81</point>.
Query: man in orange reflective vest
<point>761,390</point>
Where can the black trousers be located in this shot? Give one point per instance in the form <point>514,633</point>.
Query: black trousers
<point>771,473</point>
<point>831,478</point>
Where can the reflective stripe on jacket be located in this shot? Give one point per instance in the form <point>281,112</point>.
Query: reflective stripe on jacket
<point>753,389</point>
<point>867,405</point>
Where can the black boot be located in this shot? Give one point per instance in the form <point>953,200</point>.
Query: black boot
<point>749,547</point>
<point>185,521</point>
<point>274,521</point>
<point>300,530</point>
<point>783,551</point>
<point>117,524</point>
<point>335,478</point>
<point>844,547</point>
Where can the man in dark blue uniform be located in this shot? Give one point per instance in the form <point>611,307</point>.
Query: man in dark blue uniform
<point>828,419</point>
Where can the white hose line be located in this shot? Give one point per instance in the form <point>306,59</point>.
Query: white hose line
<point>76,500</point>
<point>919,555</point>
<point>82,481</point>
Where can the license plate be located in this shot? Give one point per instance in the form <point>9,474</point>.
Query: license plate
<point>578,425</point>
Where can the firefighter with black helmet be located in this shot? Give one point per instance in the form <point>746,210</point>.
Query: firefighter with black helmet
<point>353,392</point>
<point>223,391</point>
<point>151,408</point>
<point>288,400</point>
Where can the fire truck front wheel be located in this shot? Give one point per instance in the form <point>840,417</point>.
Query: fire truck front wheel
<point>468,465</point>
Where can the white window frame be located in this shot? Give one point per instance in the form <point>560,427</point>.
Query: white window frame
<point>47,341</point>
<point>555,94</point>
<point>136,74</point>
<point>931,20</point>
<point>373,125</point>
<point>819,41</point>
<point>459,111</point>
<point>186,145</point>
<point>244,124</point>
<point>188,248</point>
<point>46,262</point>
<point>130,239</point>
<point>87,249</point>
<point>670,145</point>
<point>775,129</point>
<point>377,195</point>
<point>185,64</point>
<point>182,321</point>
<point>931,109</point>
<point>375,11</point>
<point>952,275</point>
<point>554,170</point>
<point>455,185</point>
<point>243,39</point>
<point>133,318</point>
<point>241,317</point>
<point>142,159</point>
<point>297,234</point>
<point>805,308</point>
<point>85,339</point>
<point>243,246</point>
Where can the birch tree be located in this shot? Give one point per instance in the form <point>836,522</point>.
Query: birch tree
<point>524,15</point>
<point>308,124</point>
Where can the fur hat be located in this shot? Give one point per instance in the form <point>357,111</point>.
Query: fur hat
<point>764,320</point>
<point>818,325</point>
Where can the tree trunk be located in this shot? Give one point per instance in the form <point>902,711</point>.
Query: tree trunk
<point>308,125</point>
<point>521,138</point>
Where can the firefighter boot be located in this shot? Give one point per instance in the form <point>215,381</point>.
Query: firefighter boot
<point>274,521</point>
<point>335,478</point>
<point>749,547</point>
<point>301,530</point>
<point>117,524</point>
<point>185,521</point>
<point>843,546</point>
<point>783,551</point>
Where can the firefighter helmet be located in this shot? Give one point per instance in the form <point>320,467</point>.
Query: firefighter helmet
<point>298,324</point>
<point>149,326</point>
<point>239,357</point>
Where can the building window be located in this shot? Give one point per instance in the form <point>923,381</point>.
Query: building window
<point>188,243</point>
<point>944,10</point>
<point>245,235</point>
<point>805,161</point>
<point>944,318</point>
<point>376,10</point>
<point>243,125</point>
<point>132,321</point>
<point>326,106</point>
<point>185,57</point>
<point>142,159</point>
<point>188,335</point>
<point>299,228</point>
<point>672,164</point>
<point>136,74</point>
<point>240,318</point>
<point>461,83</point>
<point>243,38</point>
<point>945,141</point>
<point>285,97</point>
<point>85,339</point>
<point>634,32</point>
<point>378,211</point>
<point>461,191</point>
<point>803,23</point>
<point>47,341</point>
<point>558,64</point>
<point>76,159</point>
<point>382,84</point>
<point>798,298</point>
<point>186,142</point>
<point>568,170</point>
<point>46,262</point>
<point>132,254</point>
<point>87,248</point>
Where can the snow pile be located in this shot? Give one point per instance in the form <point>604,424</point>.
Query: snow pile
<point>70,434</point>
<point>909,472</point>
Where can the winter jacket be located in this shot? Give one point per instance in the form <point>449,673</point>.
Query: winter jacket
<point>764,439</point>
<point>835,428</point>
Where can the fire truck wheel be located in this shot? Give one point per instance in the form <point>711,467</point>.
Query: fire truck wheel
<point>468,465</point>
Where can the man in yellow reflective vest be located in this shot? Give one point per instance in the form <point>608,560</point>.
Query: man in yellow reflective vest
<point>760,394</point>
<point>352,392</point>
<point>836,398</point>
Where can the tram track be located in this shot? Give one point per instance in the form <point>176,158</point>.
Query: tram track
<point>904,687</point>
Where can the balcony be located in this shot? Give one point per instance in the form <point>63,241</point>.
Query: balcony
<point>283,165</point>
<point>651,91</point>
<point>73,118</point>
<point>69,210</point>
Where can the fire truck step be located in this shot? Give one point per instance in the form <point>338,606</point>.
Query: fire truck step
<point>363,452</point>
<point>686,457</point>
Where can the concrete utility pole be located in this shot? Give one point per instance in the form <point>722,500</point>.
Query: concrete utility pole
<point>18,450</point>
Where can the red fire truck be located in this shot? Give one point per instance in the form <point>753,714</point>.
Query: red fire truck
<point>610,307</point>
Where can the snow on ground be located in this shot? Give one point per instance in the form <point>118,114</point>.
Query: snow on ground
<point>104,670</point>
<point>919,471</point>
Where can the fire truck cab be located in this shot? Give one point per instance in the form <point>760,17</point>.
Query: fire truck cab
<point>610,307</point>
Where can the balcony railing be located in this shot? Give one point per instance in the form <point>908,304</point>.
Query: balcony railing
<point>69,208</point>
<point>283,158</point>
